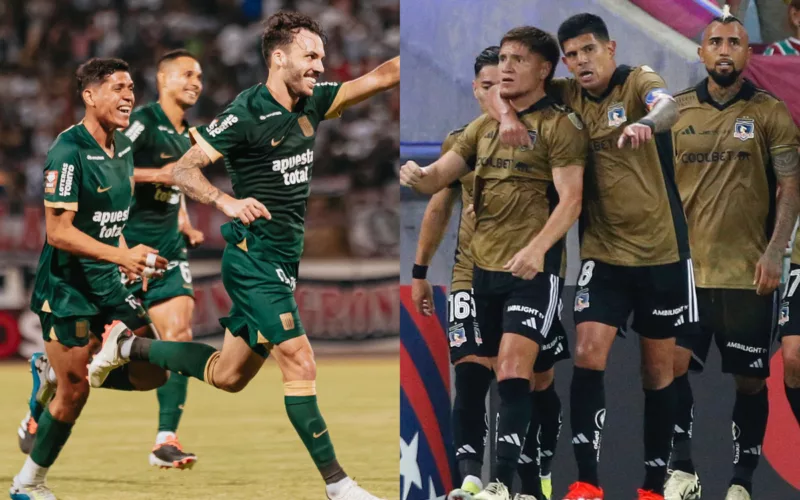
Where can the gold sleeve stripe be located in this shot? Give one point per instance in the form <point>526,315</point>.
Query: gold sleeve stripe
<point>339,103</point>
<point>300,388</point>
<point>787,147</point>
<point>71,206</point>
<point>207,148</point>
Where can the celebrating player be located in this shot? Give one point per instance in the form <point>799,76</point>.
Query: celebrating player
<point>266,137</point>
<point>87,192</point>
<point>160,135</point>
<point>634,249</point>
<point>472,368</point>
<point>734,145</point>
<point>525,201</point>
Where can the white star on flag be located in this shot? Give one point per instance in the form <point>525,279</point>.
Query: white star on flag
<point>409,468</point>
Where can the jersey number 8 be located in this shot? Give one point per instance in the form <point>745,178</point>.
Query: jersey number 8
<point>586,273</point>
<point>461,305</point>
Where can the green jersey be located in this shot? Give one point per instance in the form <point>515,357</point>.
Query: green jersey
<point>79,176</point>
<point>269,154</point>
<point>154,211</point>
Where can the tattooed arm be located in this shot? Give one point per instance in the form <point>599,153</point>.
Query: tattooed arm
<point>663,115</point>
<point>768,270</point>
<point>187,175</point>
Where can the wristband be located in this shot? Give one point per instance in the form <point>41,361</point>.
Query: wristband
<point>419,272</point>
<point>650,123</point>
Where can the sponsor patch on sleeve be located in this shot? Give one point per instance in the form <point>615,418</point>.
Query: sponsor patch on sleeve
<point>50,181</point>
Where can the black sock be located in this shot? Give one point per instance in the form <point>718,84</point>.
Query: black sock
<point>469,416</point>
<point>659,424</point>
<point>750,413</point>
<point>528,465</point>
<point>140,349</point>
<point>587,401</point>
<point>512,426</point>
<point>793,395</point>
<point>684,416</point>
<point>548,406</point>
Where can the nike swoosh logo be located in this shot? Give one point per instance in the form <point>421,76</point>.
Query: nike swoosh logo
<point>165,156</point>
<point>274,143</point>
<point>103,190</point>
<point>320,434</point>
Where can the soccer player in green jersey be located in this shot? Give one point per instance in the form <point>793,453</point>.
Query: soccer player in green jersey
<point>266,138</point>
<point>158,219</point>
<point>88,187</point>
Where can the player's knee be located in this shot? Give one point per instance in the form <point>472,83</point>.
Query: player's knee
<point>543,380</point>
<point>302,365</point>
<point>231,382</point>
<point>590,354</point>
<point>749,385</point>
<point>178,333</point>
<point>69,400</point>
<point>791,359</point>
<point>657,375</point>
<point>513,367</point>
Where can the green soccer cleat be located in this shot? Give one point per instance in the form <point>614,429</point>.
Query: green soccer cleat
<point>547,486</point>
<point>21,491</point>
<point>108,357</point>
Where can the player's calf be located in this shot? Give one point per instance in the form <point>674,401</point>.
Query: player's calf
<point>750,414</point>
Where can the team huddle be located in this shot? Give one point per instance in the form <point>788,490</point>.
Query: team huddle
<point>686,204</point>
<point>113,288</point>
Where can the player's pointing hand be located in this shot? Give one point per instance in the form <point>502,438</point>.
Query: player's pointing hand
<point>411,174</point>
<point>635,133</point>
<point>246,210</point>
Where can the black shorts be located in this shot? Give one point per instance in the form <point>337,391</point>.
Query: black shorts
<point>531,308</point>
<point>789,314</point>
<point>463,331</point>
<point>662,298</point>
<point>742,323</point>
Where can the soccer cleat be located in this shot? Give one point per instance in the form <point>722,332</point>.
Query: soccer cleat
<point>737,492</point>
<point>467,491</point>
<point>494,491</point>
<point>21,491</point>
<point>584,491</point>
<point>170,455</point>
<point>108,357</point>
<point>648,495</point>
<point>352,491</point>
<point>682,486</point>
<point>42,392</point>
<point>547,486</point>
<point>520,496</point>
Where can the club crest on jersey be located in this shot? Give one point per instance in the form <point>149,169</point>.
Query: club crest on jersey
<point>784,317</point>
<point>744,129</point>
<point>616,115</point>
<point>582,300</point>
<point>533,135</point>
<point>457,335</point>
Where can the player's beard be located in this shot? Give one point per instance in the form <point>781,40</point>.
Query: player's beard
<point>724,80</point>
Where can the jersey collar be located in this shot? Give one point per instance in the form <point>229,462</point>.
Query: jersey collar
<point>540,104</point>
<point>619,77</point>
<point>163,117</point>
<point>747,91</point>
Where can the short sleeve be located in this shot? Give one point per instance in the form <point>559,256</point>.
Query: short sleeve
<point>650,87</point>
<point>466,146</point>
<point>62,178</point>
<point>451,139</point>
<point>558,89</point>
<point>138,132</point>
<point>781,131</point>
<point>329,99</point>
<point>227,131</point>
<point>569,142</point>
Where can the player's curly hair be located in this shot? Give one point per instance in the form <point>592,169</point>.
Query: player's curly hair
<point>96,70</point>
<point>537,41</point>
<point>281,29</point>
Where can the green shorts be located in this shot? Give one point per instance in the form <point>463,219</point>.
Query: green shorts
<point>74,331</point>
<point>177,281</point>
<point>264,312</point>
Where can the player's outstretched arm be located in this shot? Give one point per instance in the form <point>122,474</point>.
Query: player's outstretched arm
<point>161,175</point>
<point>568,182</point>
<point>382,78</point>
<point>787,170</point>
<point>436,176</point>
<point>187,175</point>
<point>660,119</point>
<point>434,225</point>
<point>62,234</point>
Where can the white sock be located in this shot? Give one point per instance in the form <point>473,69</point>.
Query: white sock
<point>334,489</point>
<point>125,348</point>
<point>474,480</point>
<point>51,375</point>
<point>32,473</point>
<point>164,436</point>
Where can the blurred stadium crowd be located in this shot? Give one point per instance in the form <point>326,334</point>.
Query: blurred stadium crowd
<point>353,207</point>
